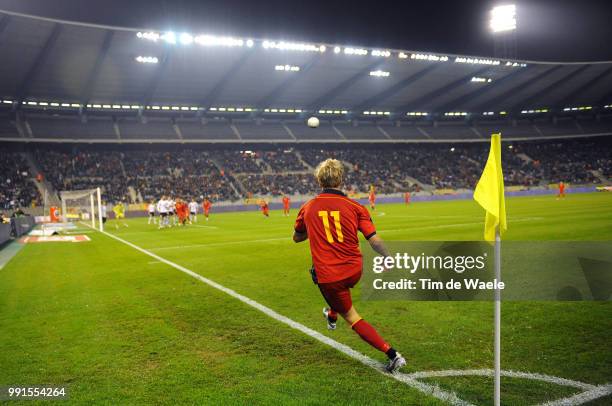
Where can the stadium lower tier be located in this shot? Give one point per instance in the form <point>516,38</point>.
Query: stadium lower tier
<point>230,173</point>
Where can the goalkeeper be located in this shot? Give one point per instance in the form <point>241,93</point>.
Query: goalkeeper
<point>119,210</point>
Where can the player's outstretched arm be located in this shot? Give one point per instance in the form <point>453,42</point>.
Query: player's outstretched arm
<point>299,237</point>
<point>378,245</point>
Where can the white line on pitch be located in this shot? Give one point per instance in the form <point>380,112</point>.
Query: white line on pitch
<point>429,389</point>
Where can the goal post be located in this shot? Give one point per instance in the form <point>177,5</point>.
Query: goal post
<point>82,205</point>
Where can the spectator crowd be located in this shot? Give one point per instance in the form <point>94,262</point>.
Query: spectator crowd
<point>226,173</point>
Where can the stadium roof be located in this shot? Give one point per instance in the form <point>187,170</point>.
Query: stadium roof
<point>49,62</point>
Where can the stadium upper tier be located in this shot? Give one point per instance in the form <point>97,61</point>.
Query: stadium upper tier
<point>126,129</point>
<point>82,69</point>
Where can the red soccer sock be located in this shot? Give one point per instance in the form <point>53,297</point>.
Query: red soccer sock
<point>370,335</point>
<point>332,315</point>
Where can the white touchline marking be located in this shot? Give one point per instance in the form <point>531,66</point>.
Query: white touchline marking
<point>590,392</point>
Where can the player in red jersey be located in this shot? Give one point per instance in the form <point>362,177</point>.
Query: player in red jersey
<point>372,198</point>
<point>407,198</point>
<point>265,209</point>
<point>561,193</point>
<point>206,205</point>
<point>331,222</point>
<point>181,211</point>
<point>286,203</point>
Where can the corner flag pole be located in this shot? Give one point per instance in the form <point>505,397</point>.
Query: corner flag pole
<point>497,321</point>
<point>489,193</point>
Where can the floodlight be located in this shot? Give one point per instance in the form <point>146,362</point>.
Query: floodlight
<point>249,43</point>
<point>379,73</point>
<point>169,37</point>
<point>186,39</point>
<point>503,18</point>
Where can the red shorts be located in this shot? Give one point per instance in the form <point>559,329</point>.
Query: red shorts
<point>338,294</point>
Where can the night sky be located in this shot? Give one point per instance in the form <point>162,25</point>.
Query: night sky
<point>553,30</point>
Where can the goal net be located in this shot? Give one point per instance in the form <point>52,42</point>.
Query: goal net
<point>82,205</point>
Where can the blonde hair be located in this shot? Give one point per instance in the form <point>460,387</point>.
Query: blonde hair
<point>329,173</point>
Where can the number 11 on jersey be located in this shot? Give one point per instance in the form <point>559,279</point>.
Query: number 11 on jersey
<point>336,216</point>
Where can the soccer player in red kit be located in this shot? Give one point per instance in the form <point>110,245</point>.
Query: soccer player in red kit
<point>407,198</point>
<point>561,190</point>
<point>286,203</point>
<point>265,209</point>
<point>181,211</point>
<point>372,198</point>
<point>206,205</point>
<point>331,222</point>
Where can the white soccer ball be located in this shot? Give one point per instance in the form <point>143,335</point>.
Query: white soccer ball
<point>313,122</point>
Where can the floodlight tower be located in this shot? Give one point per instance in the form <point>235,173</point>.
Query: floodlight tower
<point>503,26</point>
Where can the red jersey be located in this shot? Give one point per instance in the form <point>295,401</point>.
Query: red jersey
<point>264,207</point>
<point>181,210</point>
<point>372,197</point>
<point>206,205</point>
<point>286,202</point>
<point>332,222</point>
<point>561,187</point>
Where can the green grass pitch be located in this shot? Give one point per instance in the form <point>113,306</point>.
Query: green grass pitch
<point>118,327</point>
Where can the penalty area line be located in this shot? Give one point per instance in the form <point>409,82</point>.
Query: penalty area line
<point>429,389</point>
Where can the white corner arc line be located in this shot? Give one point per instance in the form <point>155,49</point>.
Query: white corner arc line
<point>583,397</point>
<point>590,392</point>
<point>432,390</point>
<point>510,374</point>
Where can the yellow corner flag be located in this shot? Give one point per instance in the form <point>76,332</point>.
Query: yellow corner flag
<point>489,192</point>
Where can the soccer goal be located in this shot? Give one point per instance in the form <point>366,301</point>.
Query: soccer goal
<point>83,205</point>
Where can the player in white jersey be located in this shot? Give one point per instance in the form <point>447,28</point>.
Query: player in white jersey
<point>193,211</point>
<point>103,210</point>
<point>171,207</point>
<point>163,212</point>
<point>151,210</point>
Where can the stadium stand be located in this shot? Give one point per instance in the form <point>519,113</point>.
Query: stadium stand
<point>151,128</point>
<point>7,127</point>
<point>16,187</point>
<point>595,125</point>
<point>403,130</point>
<point>228,173</point>
<point>71,127</point>
<point>450,130</point>
<point>226,134</point>
<point>206,129</point>
<point>360,130</point>
<point>261,130</point>
<point>566,125</point>
<point>324,132</point>
<point>520,128</point>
